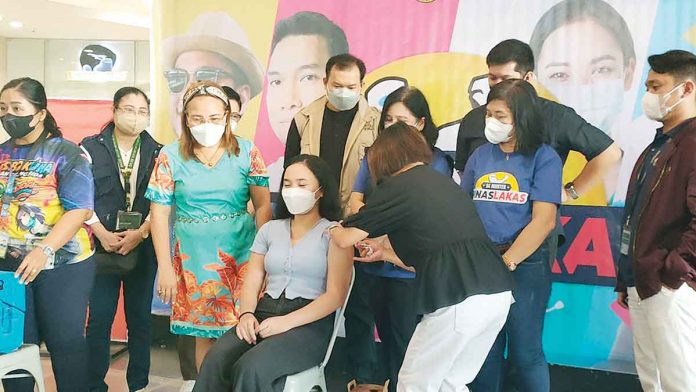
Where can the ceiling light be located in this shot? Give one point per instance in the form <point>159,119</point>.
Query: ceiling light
<point>15,24</point>
<point>1,18</point>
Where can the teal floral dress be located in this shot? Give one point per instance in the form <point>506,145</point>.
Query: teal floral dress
<point>212,231</point>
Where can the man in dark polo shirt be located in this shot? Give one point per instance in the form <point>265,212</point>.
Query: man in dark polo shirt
<point>513,59</point>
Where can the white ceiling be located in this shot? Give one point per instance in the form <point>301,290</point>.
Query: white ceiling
<point>76,19</point>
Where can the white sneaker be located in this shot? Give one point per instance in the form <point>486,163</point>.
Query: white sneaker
<point>187,386</point>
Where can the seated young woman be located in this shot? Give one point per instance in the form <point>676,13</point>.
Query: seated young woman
<point>285,327</point>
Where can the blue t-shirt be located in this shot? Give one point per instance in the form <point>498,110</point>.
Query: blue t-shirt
<point>441,163</point>
<point>503,187</point>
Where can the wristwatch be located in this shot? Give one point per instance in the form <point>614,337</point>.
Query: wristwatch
<point>570,188</point>
<point>47,250</point>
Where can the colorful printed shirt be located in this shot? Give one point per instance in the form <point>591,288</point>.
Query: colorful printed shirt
<point>504,186</point>
<point>56,179</point>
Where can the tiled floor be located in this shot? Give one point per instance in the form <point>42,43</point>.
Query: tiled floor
<point>164,372</point>
<point>165,376</point>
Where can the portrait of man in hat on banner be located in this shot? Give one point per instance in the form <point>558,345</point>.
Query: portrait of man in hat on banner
<point>215,48</point>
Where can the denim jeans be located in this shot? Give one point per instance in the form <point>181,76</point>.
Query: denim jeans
<point>56,311</point>
<point>522,332</point>
<point>137,296</point>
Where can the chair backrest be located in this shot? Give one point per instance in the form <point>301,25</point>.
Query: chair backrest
<point>337,322</point>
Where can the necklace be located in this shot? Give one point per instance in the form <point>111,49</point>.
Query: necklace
<point>209,160</point>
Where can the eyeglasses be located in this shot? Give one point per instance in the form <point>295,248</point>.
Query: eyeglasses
<point>131,110</point>
<point>217,119</point>
<point>178,79</point>
<point>235,116</point>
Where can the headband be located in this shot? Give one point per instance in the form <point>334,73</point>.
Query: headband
<point>206,90</point>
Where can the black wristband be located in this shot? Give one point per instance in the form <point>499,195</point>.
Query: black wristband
<point>242,315</point>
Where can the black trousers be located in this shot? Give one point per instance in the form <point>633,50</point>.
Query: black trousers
<point>388,304</point>
<point>234,365</point>
<point>186,349</point>
<point>137,293</point>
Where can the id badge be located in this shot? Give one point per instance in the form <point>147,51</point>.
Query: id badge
<point>128,220</point>
<point>4,244</point>
<point>625,240</point>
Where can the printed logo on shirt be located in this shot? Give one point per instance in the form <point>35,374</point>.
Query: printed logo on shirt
<point>499,187</point>
<point>23,168</point>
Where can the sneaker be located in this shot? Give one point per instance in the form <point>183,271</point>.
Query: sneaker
<point>187,386</point>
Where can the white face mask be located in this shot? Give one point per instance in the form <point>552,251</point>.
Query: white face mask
<point>497,132</point>
<point>343,98</point>
<point>653,104</point>
<point>233,125</point>
<point>299,201</point>
<point>598,103</point>
<point>208,134</point>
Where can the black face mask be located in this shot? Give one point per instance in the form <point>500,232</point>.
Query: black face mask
<point>17,126</point>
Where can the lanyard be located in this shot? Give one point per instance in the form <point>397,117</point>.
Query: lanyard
<point>126,171</point>
<point>8,194</point>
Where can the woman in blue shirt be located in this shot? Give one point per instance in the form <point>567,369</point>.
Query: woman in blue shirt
<point>306,278</point>
<point>385,293</point>
<point>515,182</point>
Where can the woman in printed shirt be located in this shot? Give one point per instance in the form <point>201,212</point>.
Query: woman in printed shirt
<point>515,182</point>
<point>48,193</point>
<point>210,175</point>
<point>288,329</point>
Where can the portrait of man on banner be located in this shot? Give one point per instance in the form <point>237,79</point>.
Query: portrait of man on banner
<point>215,48</point>
<point>302,43</point>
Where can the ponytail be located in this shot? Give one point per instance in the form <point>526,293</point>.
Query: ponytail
<point>34,92</point>
<point>51,126</point>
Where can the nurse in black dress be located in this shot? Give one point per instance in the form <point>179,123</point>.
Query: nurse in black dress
<point>463,288</point>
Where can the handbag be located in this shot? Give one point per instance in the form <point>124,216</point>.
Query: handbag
<point>114,263</point>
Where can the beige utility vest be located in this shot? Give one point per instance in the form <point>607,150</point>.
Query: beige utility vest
<point>362,134</point>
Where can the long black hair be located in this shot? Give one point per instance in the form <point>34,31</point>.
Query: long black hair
<point>330,202</point>
<point>33,91</point>
<point>120,94</point>
<point>522,100</point>
<point>415,102</point>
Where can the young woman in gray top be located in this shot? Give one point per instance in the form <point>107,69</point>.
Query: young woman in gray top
<point>288,329</point>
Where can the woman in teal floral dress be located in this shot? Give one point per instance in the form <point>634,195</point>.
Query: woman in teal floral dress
<point>209,175</point>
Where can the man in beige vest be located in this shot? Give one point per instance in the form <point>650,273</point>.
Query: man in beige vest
<point>338,126</point>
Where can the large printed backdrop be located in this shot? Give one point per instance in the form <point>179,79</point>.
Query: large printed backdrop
<point>590,55</point>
